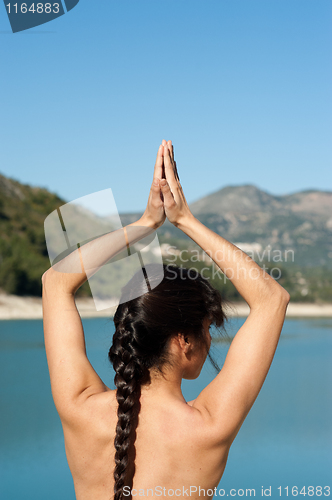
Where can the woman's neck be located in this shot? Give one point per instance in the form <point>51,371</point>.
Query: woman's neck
<point>161,386</point>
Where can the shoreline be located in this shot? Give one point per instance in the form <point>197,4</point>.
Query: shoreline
<point>15,307</point>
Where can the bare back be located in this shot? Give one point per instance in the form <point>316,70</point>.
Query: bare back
<point>174,449</point>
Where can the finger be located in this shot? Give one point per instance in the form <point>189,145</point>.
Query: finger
<point>163,176</point>
<point>164,143</point>
<point>167,193</point>
<point>158,168</point>
<point>171,152</point>
<point>170,148</point>
<point>169,170</point>
<point>176,172</point>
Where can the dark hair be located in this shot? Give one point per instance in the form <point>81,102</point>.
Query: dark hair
<point>144,327</point>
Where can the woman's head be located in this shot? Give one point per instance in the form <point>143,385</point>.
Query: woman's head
<point>180,303</point>
<point>181,307</point>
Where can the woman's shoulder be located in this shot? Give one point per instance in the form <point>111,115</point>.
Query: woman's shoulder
<point>95,409</point>
<point>175,422</point>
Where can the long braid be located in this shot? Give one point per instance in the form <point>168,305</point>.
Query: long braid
<point>144,325</point>
<point>128,375</point>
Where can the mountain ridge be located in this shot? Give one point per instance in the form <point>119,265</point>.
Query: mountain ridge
<point>226,193</point>
<point>243,214</point>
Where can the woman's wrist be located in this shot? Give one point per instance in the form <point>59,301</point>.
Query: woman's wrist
<point>186,222</point>
<point>146,221</point>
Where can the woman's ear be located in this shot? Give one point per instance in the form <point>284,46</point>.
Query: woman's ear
<point>184,342</point>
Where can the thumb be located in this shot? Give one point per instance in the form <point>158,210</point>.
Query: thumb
<point>155,184</point>
<point>155,190</point>
<point>167,193</point>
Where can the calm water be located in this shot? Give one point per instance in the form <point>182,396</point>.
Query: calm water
<point>285,441</point>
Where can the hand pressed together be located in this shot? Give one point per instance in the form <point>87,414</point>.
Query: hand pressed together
<point>166,198</point>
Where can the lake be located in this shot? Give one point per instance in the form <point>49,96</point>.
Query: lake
<point>286,441</point>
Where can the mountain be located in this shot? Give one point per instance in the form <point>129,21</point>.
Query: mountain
<point>257,221</point>
<point>250,199</point>
<point>300,223</point>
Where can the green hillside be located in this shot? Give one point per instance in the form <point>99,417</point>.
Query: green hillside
<point>23,253</point>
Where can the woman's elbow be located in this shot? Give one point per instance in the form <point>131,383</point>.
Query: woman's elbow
<point>286,297</point>
<point>280,296</point>
<point>46,276</point>
<point>43,278</point>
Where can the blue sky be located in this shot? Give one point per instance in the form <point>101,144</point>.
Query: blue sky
<point>242,87</point>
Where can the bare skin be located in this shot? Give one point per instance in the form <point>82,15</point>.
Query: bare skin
<point>179,444</point>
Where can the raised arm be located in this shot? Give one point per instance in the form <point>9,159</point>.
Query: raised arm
<point>73,379</point>
<point>228,398</point>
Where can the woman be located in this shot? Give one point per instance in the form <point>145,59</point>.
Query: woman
<point>144,439</point>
